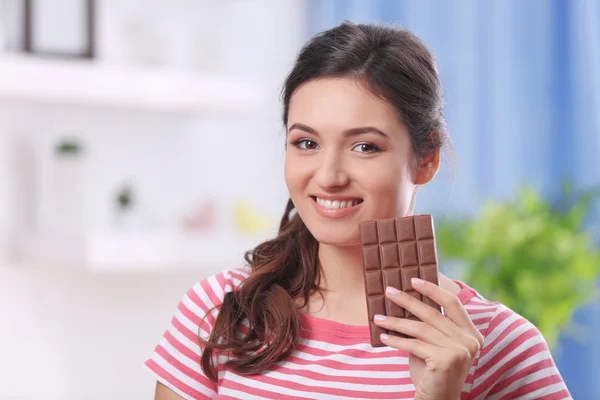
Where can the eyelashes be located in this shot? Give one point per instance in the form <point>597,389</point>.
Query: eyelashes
<point>309,144</point>
<point>305,144</point>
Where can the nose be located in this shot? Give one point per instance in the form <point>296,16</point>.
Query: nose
<point>331,172</point>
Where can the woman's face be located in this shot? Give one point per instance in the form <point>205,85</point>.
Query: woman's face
<point>348,159</point>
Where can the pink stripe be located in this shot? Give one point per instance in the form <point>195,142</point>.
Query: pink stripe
<point>307,373</point>
<point>506,350</point>
<point>480,321</point>
<point>205,323</point>
<point>222,281</point>
<point>195,318</point>
<point>472,311</point>
<point>208,291</point>
<point>194,298</point>
<point>183,349</point>
<point>510,364</point>
<point>316,324</point>
<point>355,353</point>
<point>539,384</point>
<point>508,330</point>
<point>334,339</point>
<point>359,394</point>
<point>521,374</point>
<point>158,370</point>
<point>194,375</point>
<point>497,320</point>
<point>402,366</point>
<point>256,391</point>
<point>185,331</point>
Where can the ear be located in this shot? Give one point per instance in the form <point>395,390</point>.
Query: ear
<point>427,168</point>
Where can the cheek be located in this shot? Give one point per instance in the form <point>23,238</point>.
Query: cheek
<point>295,175</point>
<point>389,185</point>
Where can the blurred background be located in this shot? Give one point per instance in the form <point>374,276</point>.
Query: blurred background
<point>141,149</point>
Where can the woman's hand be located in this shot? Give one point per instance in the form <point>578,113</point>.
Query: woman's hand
<point>442,348</point>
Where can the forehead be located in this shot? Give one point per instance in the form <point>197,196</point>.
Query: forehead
<point>341,103</point>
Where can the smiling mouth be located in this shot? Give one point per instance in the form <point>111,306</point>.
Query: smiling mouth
<point>337,204</point>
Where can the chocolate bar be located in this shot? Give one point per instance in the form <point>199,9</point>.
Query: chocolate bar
<point>394,251</point>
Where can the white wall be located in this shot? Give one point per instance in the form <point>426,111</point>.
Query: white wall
<point>78,335</point>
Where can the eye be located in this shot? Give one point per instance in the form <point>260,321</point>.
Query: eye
<point>366,148</point>
<point>306,144</point>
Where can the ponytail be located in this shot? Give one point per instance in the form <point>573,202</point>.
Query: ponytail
<point>283,269</point>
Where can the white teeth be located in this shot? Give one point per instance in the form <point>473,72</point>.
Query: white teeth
<point>336,203</point>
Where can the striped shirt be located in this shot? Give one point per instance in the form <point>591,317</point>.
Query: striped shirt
<point>336,361</point>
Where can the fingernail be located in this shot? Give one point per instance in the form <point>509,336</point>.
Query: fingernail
<point>417,281</point>
<point>379,317</point>
<point>392,291</point>
<point>384,336</point>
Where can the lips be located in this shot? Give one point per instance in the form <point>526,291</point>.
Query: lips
<point>335,206</point>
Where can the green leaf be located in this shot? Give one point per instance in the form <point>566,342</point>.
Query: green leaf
<point>535,258</point>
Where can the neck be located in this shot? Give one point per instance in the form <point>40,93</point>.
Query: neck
<point>342,295</point>
<point>342,270</point>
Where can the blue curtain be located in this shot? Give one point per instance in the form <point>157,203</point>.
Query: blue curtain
<point>522,85</point>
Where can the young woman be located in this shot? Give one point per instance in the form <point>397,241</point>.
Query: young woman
<point>363,111</point>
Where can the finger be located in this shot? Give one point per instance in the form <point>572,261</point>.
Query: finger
<point>415,329</point>
<point>416,347</point>
<point>452,306</point>
<point>424,312</point>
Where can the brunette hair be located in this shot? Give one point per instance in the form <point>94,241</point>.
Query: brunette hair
<point>394,64</point>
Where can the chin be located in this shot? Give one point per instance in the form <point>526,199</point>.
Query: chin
<point>335,235</point>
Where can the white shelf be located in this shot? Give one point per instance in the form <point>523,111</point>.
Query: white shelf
<point>136,252</point>
<point>97,85</point>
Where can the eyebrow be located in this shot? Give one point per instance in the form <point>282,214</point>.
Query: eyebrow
<point>348,132</point>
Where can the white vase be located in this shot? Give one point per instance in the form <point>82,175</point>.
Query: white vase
<point>67,195</point>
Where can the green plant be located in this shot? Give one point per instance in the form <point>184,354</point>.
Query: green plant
<point>124,198</point>
<point>68,147</point>
<point>534,257</point>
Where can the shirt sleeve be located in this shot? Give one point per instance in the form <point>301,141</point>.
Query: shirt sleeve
<point>175,361</point>
<point>515,363</point>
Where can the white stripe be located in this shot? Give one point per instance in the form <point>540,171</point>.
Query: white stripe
<point>499,329</point>
<point>543,373</point>
<point>474,304</point>
<point>179,356</point>
<point>482,327</point>
<point>554,388</point>
<point>193,346</point>
<point>216,287</point>
<point>322,345</point>
<point>227,277</point>
<point>477,301</point>
<point>505,341</point>
<point>194,309</point>
<point>182,377</point>
<point>377,388</point>
<point>342,372</point>
<point>308,382</point>
<point>204,298</point>
<point>236,394</point>
<point>489,314</point>
<point>352,360</point>
<point>526,345</point>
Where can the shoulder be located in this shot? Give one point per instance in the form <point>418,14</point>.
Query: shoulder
<point>493,319</point>
<point>176,359</point>
<point>515,359</point>
<point>210,292</point>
